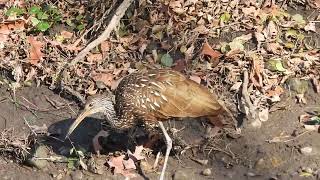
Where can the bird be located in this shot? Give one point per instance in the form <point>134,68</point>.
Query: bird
<point>151,97</point>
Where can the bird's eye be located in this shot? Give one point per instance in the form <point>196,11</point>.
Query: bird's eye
<point>90,105</point>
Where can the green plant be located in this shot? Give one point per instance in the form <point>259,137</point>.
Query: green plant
<point>77,22</point>
<point>14,12</point>
<point>43,18</point>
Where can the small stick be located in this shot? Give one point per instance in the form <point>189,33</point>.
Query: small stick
<point>105,35</point>
<point>245,95</point>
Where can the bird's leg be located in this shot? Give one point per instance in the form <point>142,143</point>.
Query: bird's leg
<point>168,149</point>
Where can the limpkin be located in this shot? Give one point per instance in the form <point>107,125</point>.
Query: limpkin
<point>154,96</point>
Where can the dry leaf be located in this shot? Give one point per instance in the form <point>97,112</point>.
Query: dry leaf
<point>180,65</point>
<point>256,71</point>
<point>189,53</point>
<point>250,10</point>
<point>105,46</point>
<point>35,50</point>
<point>106,78</point>
<point>236,86</point>
<point>137,153</point>
<point>196,79</point>
<point>94,58</point>
<point>4,33</point>
<point>274,48</point>
<point>271,31</point>
<point>119,168</point>
<point>66,34</point>
<point>129,164</point>
<point>117,164</point>
<point>311,26</point>
<point>91,89</point>
<point>277,91</point>
<point>215,55</point>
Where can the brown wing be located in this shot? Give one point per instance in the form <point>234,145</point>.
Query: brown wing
<point>167,93</point>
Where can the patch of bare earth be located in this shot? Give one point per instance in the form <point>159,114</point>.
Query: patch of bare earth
<point>250,156</point>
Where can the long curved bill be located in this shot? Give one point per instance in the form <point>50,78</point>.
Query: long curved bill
<point>79,119</point>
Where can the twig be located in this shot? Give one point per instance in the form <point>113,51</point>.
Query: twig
<point>25,120</point>
<point>105,35</point>
<point>245,95</point>
<point>288,140</point>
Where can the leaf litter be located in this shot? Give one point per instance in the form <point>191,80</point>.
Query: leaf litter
<point>171,34</point>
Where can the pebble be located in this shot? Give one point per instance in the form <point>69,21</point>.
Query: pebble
<point>307,170</point>
<point>207,172</point>
<point>40,151</point>
<point>260,164</point>
<point>306,150</point>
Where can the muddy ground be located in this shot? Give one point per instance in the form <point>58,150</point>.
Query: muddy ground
<point>249,157</point>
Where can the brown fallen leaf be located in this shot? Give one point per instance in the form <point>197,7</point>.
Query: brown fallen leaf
<point>180,65</point>
<point>271,31</point>
<point>35,50</point>
<point>215,55</point>
<point>66,34</point>
<point>94,57</point>
<point>4,33</point>
<point>105,47</point>
<point>256,71</point>
<point>195,78</point>
<point>277,91</point>
<point>106,78</point>
<point>137,153</point>
<point>120,166</point>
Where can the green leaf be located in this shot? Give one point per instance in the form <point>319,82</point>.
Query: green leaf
<point>70,23</point>
<point>34,10</point>
<point>42,15</point>
<point>275,65</point>
<point>14,11</point>
<point>80,27</point>
<point>279,67</point>
<point>79,17</point>
<point>166,60</point>
<point>298,18</point>
<point>35,21</point>
<point>43,26</point>
<point>72,163</point>
<point>225,17</point>
<point>291,33</point>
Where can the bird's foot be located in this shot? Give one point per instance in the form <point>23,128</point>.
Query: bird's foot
<point>95,141</point>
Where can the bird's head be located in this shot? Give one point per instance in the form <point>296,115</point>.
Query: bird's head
<point>96,104</point>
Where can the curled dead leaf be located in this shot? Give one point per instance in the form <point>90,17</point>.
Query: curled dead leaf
<point>94,58</point>
<point>214,55</point>
<point>66,34</point>
<point>106,78</point>
<point>271,31</point>
<point>35,50</point>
